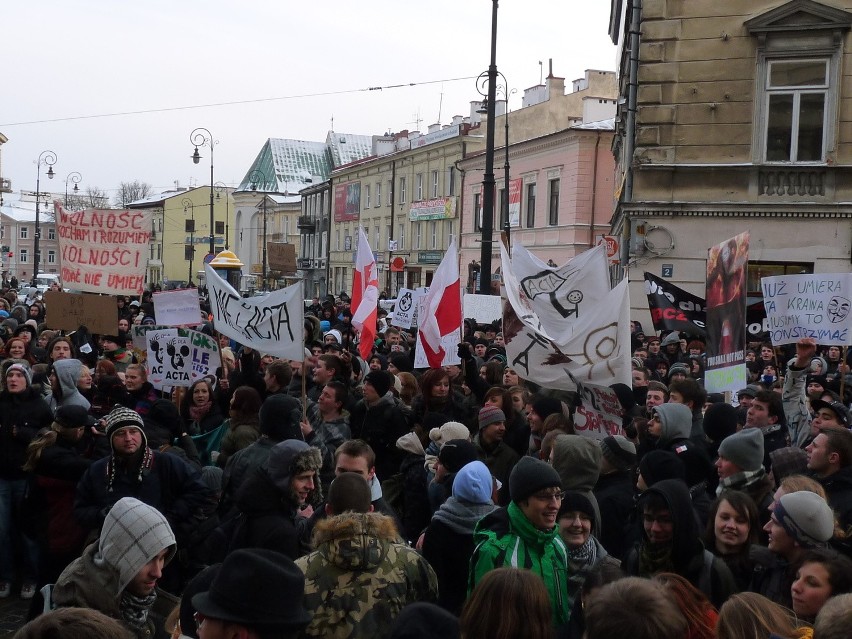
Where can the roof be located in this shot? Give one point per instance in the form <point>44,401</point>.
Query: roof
<point>24,211</point>
<point>286,166</point>
<point>600,125</point>
<point>158,198</point>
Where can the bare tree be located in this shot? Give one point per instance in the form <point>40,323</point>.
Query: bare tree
<point>131,191</point>
<point>95,198</point>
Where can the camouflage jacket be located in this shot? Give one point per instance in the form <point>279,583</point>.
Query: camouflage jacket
<point>360,576</point>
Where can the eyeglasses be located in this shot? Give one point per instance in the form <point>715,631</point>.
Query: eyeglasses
<point>547,497</point>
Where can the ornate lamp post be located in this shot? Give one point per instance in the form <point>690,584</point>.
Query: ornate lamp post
<point>506,92</point>
<point>74,177</point>
<point>256,176</point>
<point>221,186</point>
<point>190,254</point>
<point>203,137</point>
<point>48,158</point>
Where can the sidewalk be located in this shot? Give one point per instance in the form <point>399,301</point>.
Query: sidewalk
<point>13,612</point>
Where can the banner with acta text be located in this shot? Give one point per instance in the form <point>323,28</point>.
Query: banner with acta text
<point>103,250</point>
<point>271,323</point>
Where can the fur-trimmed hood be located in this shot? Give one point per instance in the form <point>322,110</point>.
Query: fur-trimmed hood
<point>355,541</point>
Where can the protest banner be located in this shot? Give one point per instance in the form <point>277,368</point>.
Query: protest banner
<point>282,257</point>
<point>813,305</point>
<point>177,356</point>
<point>599,414</point>
<point>405,309</point>
<point>726,315</point>
<point>70,311</point>
<point>103,251</point>
<point>271,323</point>
<point>483,308</point>
<point>177,308</point>
<point>672,308</point>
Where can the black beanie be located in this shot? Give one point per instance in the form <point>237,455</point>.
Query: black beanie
<point>424,620</point>
<point>531,475</point>
<point>720,421</point>
<point>380,380</point>
<point>661,464</point>
<point>401,361</point>
<point>625,395</point>
<point>544,406</point>
<point>575,501</point>
<point>279,418</point>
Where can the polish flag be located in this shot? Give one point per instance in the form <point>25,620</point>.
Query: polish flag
<point>443,310</point>
<point>365,295</point>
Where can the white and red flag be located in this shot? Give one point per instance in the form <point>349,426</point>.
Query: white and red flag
<point>365,295</point>
<point>440,326</point>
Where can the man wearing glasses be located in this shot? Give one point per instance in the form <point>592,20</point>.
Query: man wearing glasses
<point>524,533</point>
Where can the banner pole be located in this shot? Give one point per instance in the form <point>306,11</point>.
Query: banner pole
<point>842,374</point>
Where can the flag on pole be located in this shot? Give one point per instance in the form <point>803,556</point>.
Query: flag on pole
<point>365,295</point>
<point>443,311</point>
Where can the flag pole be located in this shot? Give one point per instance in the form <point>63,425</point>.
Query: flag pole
<point>304,370</point>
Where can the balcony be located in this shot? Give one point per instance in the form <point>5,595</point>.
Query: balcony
<point>307,223</point>
<point>304,263</point>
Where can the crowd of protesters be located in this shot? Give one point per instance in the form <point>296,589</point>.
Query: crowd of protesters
<point>339,496</point>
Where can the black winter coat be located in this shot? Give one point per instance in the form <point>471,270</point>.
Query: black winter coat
<point>380,426</point>
<point>22,415</point>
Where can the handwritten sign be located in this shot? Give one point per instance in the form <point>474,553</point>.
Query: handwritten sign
<point>177,356</point>
<point>103,251</point>
<point>70,311</point>
<point>270,323</point>
<point>483,308</point>
<point>177,308</point>
<point>815,305</point>
<point>405,310</point>
<point>599,415</point>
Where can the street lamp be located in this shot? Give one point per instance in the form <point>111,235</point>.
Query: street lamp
<point>48,158</point>
<point>221,186</point>
<point>74,177</point>
<point>189,225</point>
<point>254,177</point>
<point>203,137</point>
<point>488,176</point>
<point>506,92</point>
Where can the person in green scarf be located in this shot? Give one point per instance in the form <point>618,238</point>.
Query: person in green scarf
<point>525,535</point>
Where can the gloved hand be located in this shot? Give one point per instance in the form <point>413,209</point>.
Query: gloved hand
<point>464,352</point>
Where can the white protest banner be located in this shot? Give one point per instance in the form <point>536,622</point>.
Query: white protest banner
<point>483,308</point>
<point>177,308</point>
<point>815,305</point>
<point>599,414</point>
<point>204,356</point>
<point>406,308</point>
<point>168,360</point>
<point>103,251</point>
<point>449,342</point>
<point>272,323</point>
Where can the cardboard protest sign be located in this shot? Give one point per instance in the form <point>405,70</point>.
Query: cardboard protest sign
<point>177,308</point>
<point>178,356</point>
<point>405,309</point>
<point>599,415</point>
<point>104,251</point>
<point>282,257</point>
<point>70,311</point>
<point>483,308</point>
<point>271,323</point>
<point>813,305</point>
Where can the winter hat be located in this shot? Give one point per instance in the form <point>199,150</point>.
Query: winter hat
<point>806,517</point>
<point>835,407</point>
<point>574,501</point>
<point>200,583</point>
<point>279,417</point>
<point>401,361</point>
<point>4,313</point>
<point>531,475</point>
<point>25,371</point>
<point>473,483</point>
<point>671,338</point>
<point>289,458</point>
<point>132,535</point>
<point>335,334</point>
<point>423,620</point>
<point>720,421</point>
<point>619,451</point>
<point>490,415</point>
<point>212,478</point>
<point>450,430</point>
<point>625,395</point>
<point>745,449</point>
<point>749,391</point>
<point>544,406</point>
<point>456,453</point>
<point>658,465</point>
<point>380,380</point>
<point>73,416</point>
<point>679,367</point>
<point>325,326</point>
<point>383,361</point>
<point>121,417</point>
<point>822,380</point>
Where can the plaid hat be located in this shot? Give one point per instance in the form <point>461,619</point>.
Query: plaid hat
<point>745,449</point>
<point>457,453</point>
<point>121,417</point>
<point>379,380</point>
<point>619,451</point>
<point>835,407</point>
<point>490,415</point>
<point>531,475</point>
<point>806,517</point>
<point>25,371</point>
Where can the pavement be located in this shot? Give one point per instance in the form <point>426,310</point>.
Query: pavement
<point>13,613</point>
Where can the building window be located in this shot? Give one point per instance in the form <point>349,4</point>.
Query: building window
<point>433,235</point>
<point>553,203</point>
<point>400,237</point>
<point>402,190</point>
<point>378,194</point>
<point>757,270</point>
<point>531,205</point>
<point>378,246</point>
<point>419,187</point>
<point>451,181</point>
<point>337,240</point>
<point>23,256</point>
<point>25,232</point>
<point>504,216</point>
<point>477,212</point>
<point>51,257</point>
<point>220,228</point>
<point>434,184</point>
<point>796,100</point>
<point>390,192</point>
<point>418,237</point>
<point>51,233</point>
<point>366,196</point>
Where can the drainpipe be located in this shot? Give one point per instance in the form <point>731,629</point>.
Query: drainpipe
<point>594,191</point>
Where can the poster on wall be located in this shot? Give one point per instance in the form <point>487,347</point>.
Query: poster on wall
<point>347,202</point>
<point>726,315</point>
<point>515,201</point>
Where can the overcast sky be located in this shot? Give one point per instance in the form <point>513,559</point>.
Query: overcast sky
<point>64,60</point>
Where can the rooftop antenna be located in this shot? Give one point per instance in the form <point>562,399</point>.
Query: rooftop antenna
<point>440,103</point>
<point>417,120</point>
<point>332,123</point>
<point>540,72</point>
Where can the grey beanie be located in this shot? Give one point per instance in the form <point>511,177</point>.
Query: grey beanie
<point>619,451</point>
<point>671,338</point>
<point>531,475</point>
<point>806,517</point>
<point>745,449</point>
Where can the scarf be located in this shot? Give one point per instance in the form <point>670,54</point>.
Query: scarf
<point>740,481</point>
<point>654,559</point>
<point>134,610</point>
<point>461,516</point>
<point>197,412</point>
<point>584,556</point>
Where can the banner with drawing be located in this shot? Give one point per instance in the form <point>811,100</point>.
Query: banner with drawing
<point>178,356</point>
<point>599,414</point>
<point>815,305</point>
<point>272,323</point>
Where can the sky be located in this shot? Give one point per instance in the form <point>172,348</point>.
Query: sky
<point>292,68</point>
